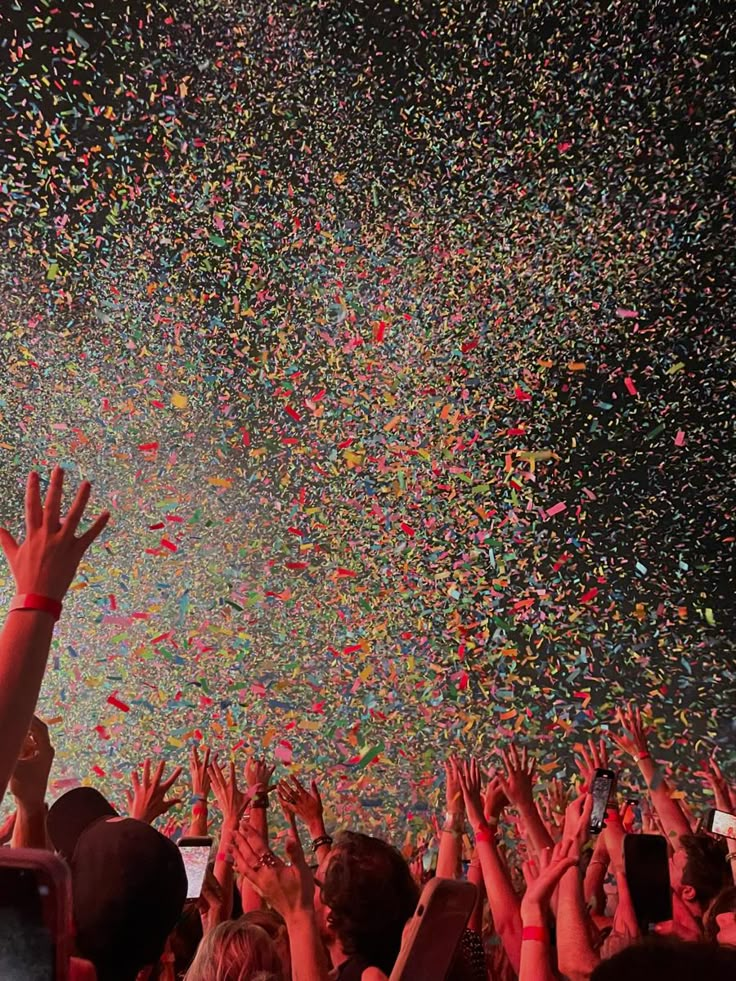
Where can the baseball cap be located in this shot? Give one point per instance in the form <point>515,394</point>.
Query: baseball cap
<point>128,883</point>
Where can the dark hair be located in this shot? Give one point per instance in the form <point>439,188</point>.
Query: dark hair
<point>705,870</point>
<point>725,902</point>
<point>675,960</point>
<point>371,894</point>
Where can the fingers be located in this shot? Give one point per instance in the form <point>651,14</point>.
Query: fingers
<point>8,545</point>
<point>146,771</point>
<point>34,511</point>
<point>75,512</point>
<point>94,532</point>
<point>52,508</point>
<point>135,780</point>
<point>168,784</point>
<point>316,793</point>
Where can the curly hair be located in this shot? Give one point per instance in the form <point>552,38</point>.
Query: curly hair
<point>706,869</point>
<point>370,892</point>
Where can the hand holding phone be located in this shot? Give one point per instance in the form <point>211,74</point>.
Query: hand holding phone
<point>600,791</point>
<point>721,823</point>
<point>35,915</point>
<point>647,870</point>
<point>196,855</point>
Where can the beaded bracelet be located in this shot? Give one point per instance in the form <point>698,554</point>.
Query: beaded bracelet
<point>321,841</point>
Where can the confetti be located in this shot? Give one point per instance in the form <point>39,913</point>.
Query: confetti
<point>374,329</point>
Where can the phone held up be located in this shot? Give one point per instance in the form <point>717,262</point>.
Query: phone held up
<point>603,783</point>
<point>721,823</point>
<point>195,853</point>
<point>432,935</point>
<point>35,915</point>
<point>647,868</point>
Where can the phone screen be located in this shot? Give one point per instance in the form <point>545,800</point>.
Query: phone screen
<point>27,946</point>
<point>600,792</point>
<point>722,823</point>
<point>196,858</point>
<point>647,868</point>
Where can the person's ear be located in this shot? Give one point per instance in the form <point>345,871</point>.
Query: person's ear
<point>687,893</point>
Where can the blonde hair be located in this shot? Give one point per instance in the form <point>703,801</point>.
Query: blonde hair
<point>236,951</point>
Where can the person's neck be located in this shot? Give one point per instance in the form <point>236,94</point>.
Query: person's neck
<point>336,952</point>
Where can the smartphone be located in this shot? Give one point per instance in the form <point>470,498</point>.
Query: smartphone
<point>35,915</point>
<point>432,935</point>
<point>600,791</point>
<point>196,855</point>
<point>647,869</point>
<point>721,823</point>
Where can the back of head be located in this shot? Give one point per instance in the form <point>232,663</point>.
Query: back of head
<point>128,889</point>
<point>674,960</point>
<point>371,894</point>
<point>236,951</point>
<point>705,870</point>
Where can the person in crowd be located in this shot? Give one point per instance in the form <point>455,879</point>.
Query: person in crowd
<point>237,950</point>
<point>128,883</point>
<point>553,899</point>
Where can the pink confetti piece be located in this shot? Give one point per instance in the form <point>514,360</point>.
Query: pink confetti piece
<point>680,438</point>
<point>589,595</point>
<point>556,509</point>
<point>293,413</point>
<point>112,700</point>
<point>623,312</point>
<point>630,386</point>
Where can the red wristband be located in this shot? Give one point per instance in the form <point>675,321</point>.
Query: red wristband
<point>224,857</point>
<point>199,809</point>
<point>484,834</point>
<point>34,601</point>
<point>644,756</point>
<point>535,933</point>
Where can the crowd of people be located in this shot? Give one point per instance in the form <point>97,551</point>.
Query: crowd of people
<point>552,897</point>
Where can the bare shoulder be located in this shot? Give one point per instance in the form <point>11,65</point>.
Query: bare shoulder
<point>373,974</point>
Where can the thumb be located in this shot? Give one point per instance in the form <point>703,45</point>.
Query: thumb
<point>8,545</point>
<point>315,791</point>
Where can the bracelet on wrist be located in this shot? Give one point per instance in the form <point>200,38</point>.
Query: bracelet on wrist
<point>199,809</point>
<point>644,756</point>
<point>260,801</point>
<point>484,834</point>
<point>323,840</point>
<point>37,602</point>
<point>535,933</point>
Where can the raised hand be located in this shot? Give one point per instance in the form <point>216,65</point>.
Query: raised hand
<point>296,799</point>
<point>577,820</point>
<point>589,760</point>
<point>632,740</point>
<point>553,863</point>
<point>199,771</point>
<point>258,777</point>
<point>554,800</point>
<point>147,800</point>
<point>469,777</point>
<point>712,776</point>
<point>231,801</point>
<point>46,562</point>
<point>31,774</point>
<point>494,800</point>
<point>518,779</point>
<point>289,889</point>
<point>453,791</point>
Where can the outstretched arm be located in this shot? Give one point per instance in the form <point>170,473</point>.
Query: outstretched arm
<point>43,567</point>
<point>633,741</point>
<point>502,900</point>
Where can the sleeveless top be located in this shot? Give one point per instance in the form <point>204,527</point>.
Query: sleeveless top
<point>352,969</point>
